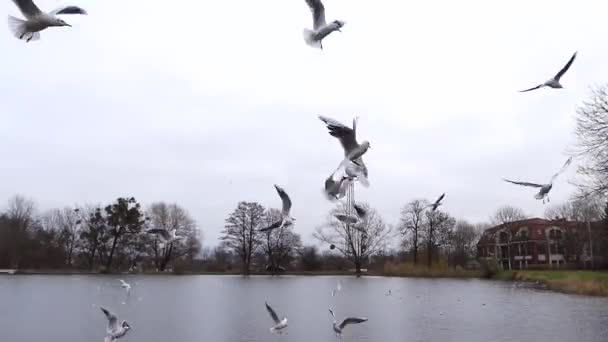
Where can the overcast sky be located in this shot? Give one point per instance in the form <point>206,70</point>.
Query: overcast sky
<point>212,102</point>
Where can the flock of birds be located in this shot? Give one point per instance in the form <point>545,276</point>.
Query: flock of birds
<point>350,169</point>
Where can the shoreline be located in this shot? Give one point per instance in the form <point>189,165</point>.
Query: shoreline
<point>589,283</point>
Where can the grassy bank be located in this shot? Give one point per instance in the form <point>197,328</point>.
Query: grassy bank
<point>593,283</point>
<point>437,271</point>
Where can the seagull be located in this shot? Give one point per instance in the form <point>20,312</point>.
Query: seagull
<point>361,212</point>
<point>37,20</point>
<point>125,285</point>
<point>353,151</point>
<point>389,293</point>
<point>437,203</point>
<point>544,188</point>
<point>348,320</point>
<point>337,184</point>
<point>279,324</point>
<point>321,29</point>
<point>337,289</point>
<point>114,331</point>
<point>165,236</point>
<point>286,219</point>
<point>554,81</point>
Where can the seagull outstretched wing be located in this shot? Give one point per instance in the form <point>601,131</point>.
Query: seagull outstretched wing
<point>533,88</point>
<point>351,320</point>
<point>112,320</point>
<point>69,10</point>
<point>273,314</point>
<point>524,183</point>
<point>318,13</point>
<point>565,68</point>
<point>28,8</point>
<point>564,167</point>
<point>285,199</point>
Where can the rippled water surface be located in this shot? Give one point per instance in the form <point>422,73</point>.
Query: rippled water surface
<point>231,308</point>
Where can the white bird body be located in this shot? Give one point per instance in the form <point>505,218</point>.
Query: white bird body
<point>320,29</point>
<point>37,20</point>
<point>282,325</point>
<point>165,237</point>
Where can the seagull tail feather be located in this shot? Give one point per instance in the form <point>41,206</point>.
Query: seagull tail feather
<point>18,28</point>
<point>309,38</point>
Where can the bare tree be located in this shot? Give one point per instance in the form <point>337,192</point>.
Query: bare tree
<point>241,233</point>
<point>279,244</point>
<point>591,131</point>
<point>123,217</point>
<point>94,234</point>
<point>462,241</point>
<point>582,209</point>
<point>66,222</point>
<point>356,242</point>
<point>410,224</point>
<point>507,214</point>
<point>438,228</point>
<point>21,213</point>
<point>169,217</point>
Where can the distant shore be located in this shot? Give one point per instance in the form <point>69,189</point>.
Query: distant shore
<point>590,283</point>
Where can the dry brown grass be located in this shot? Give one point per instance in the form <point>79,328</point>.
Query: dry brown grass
<point>441,270</point>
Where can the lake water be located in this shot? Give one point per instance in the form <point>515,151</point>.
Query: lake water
<point>231,308</point>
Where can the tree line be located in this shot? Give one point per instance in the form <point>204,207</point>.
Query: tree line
<point>101,238</point>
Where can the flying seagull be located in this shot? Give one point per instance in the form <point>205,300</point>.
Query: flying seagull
<point>437,203</point>
<point>285,219</point>
<point>166,237</point>
<point>348,320</point>
<point>279,324</point>
<point>320,29</point>
<point>337,289</point>
<point>125,285</point>
<point>554,81</point>
<point>37,20</point>
<point>353,151</point>
<point>337,184</point>
<point>115,330</point>
<point>544,188</point>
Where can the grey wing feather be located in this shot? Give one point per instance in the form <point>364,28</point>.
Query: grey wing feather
<point>524,183</point>
<point>318,13</point>
<point>273,314</point>
<point>285,198</point>
<point>162,232</point>
<point>112,319</point>
<point>69,10</point>
<point>566,67</point>
<point>276,224</point>
<point>346,135</point>
<point>564,167</point>
<point>351,320</point>
<point>533,88</point>
<point>440,198</point>
<point>28,8</point>
<point>332,313</point>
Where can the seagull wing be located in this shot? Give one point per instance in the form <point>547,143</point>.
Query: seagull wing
<point>163,233</point>
<point>318,13</point>
<point>351,320</point>
<point>276,224</point>
<point>533,88</point>
<point>346,135</point>
<point>285,199</point>
<point>361,212</point>
<point>69,10</point>
<point>524,183</point>
<point>566,67</point>
<point>439,199</point>
<point>273,314</point>
<point>564,167</point>
<point>112,320</point>
<point>332,313</point>
<point>28,8</point>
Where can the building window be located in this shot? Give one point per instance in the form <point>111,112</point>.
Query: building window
<point>503,237</point>
<point>524,234</point>
<point>555,234</point>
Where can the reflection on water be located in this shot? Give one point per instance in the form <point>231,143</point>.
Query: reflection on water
<point>231,308</point>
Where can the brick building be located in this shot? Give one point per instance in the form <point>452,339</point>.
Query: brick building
<point>520,244</point>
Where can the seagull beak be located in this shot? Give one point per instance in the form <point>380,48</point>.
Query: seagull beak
<point>66,24</point>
